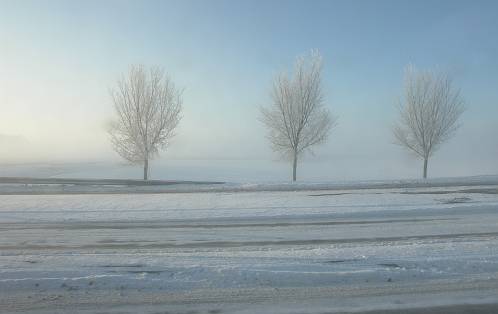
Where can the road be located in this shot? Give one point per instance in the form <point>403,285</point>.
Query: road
<point>247,252</point>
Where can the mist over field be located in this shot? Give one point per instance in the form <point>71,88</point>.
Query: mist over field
<point>240,170</point>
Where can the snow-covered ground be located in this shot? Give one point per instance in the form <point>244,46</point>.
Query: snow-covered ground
<point>246,250</point>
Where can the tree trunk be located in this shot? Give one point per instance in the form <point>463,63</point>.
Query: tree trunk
<point>425,167</point>
<point>146,169</point>
<point>294,167</point>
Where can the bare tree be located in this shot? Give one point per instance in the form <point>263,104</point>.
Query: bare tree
<point>297,119</point>
<point>148,108</point>
<point>429,113</point>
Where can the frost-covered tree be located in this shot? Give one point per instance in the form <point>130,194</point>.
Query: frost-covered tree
<point>429,113</point>
<point>148,108</point>
<point>297,119</point>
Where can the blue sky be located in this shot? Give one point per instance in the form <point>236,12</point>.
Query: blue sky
<point>58,60</point>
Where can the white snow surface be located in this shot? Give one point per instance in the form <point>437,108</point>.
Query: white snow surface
<point>348,239</point>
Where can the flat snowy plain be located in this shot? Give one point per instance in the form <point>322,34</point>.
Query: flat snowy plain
<point>233,248</point>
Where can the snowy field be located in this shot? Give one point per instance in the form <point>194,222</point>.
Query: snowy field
<point>309,248</point>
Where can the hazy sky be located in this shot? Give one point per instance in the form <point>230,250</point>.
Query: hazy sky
<point>58,60</point>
